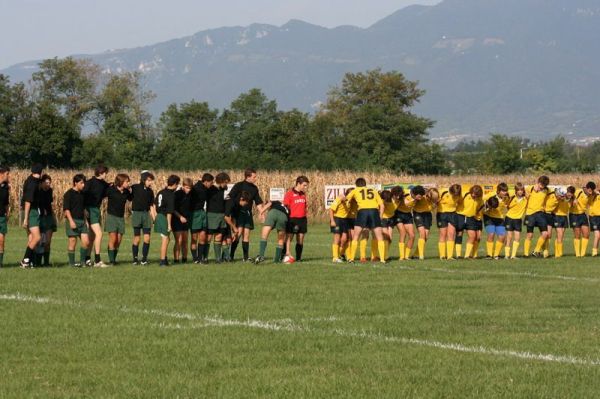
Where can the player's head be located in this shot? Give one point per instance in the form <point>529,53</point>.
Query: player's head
<point>418,192</point>
<point>100,172</point>
<point>302,183</point>
<point>46,182</point>
<point>455,190</point>
<point>78,181</point>
<point>244,198</point>
<point>4,174</point>
<point>570,192</point>
<point>502,190</point>
<point>520,190</point>
<point>543,182</point>
<point>433,194</point>
<point>187,185</point>
<point>222,179</point>
<point>398,192</point>
<point>147,179</point>
<point>173,181</point>
<point>476,191</point>
<point>122,181</point>
<point>386,196</point>
<point>590,187</point>
<point>360,182</point>
<point>492,203</point>
<point>207,180</point>
<point>37,169</point>
<point>250,175</point>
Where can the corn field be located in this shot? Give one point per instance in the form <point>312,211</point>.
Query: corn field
<point>61,182</point>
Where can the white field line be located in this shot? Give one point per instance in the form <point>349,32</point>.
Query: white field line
<point>214,321</point>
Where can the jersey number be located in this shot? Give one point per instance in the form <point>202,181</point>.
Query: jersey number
<point>367,194</point>
<point>159,200</point>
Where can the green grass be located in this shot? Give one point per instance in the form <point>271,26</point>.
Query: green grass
<point>305,330</point>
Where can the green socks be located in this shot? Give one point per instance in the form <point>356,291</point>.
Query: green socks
<point>263,248</point>
<point>83,253</point>
<point>112,255</point>
<point>278,252</point>
<point>71,258</point>
<point>218,247</point>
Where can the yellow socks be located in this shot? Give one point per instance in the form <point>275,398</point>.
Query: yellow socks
<point>363,248</point>
<point>407,252</point>
<point>458,248</point>
<point>594,251</point>
<point>421,248</point>
<point>584,245</point>
<point>353,248</point>
<point>469,250</point>
<point>558,249</point>
<point>335,250</point>
<point>442,250</point>
<point>577,245</point>
<point>498,249</point>
<point>348,250</point>
<point>539,246</point>
<point>374,249</point>
<point>381,247</point>
<point>489,248</point>
<point>515,249</point>
<point>450,249</point>
<point>401,248</point>
<point>527,247</point>
<point>475,249</point>
<point>507,251</point>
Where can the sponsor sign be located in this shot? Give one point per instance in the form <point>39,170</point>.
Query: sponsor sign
<point>276,194</point>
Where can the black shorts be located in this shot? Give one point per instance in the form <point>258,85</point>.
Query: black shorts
<point>490,221</point>
<point>445,218</point>
<point>388,222</point>
<point>341,226</point>
<point>579,220</point>
<point>561,222</point>
<point>538,220</point>
<point>473,224</point>
<point>461,221</point>
<point>368,218</point>
<point>351,223</point>
<point>297,226</point>
<point>513,224</point>
<point>177,226</point>
<point>403,218</point>
<point>549,219</point>
<point>423,219</point>
<point>595,223</point>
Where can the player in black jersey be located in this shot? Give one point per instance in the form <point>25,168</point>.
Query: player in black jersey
<point>30,204</point>
<point>118,194</point>
<point>199,222</point>
<point>215,214</point>
<point>181,220</point>
<point>48,225</point>
<point>165,207</point>
<point>75,223</point>
<point>4,207</point>
<point>143,213</point>
<point>94,193</point>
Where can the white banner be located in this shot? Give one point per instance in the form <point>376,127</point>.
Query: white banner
<point>276,194</point>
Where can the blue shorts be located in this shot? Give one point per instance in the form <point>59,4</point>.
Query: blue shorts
<point>494,226</point>
<point>368,218</point>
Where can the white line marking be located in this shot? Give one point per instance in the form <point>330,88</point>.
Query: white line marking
<point>215,321</point>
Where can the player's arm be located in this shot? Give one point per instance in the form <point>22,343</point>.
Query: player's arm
<point>263,208</point>
<point>67,211</point>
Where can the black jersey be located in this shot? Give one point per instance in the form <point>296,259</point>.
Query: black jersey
<point>73,201</point>
<point>31,192</point>
<point>117,200</point>
<point>94,192</point>
<point>46,200</point>
<point>199,196</point>
<point>216,200</point>
<point>278,205</point>
<point>250,188</point>
<point>165,201</point>
<point>143,198</point>
<point>4,198</point>
<point>183,203</point>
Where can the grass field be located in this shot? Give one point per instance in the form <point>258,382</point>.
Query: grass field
<point>524,328</point>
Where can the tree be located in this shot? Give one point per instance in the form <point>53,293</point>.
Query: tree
<point>503,154</point>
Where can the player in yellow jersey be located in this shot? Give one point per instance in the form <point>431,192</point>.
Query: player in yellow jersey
<point>561,217</point>
<point>493,219</point>
<point>552,201</point>
<point>513,221</point>
<point>594,212</point>
<point>579,219</point>
<point>471,205</point>
<point>339,211</point>
<point>387,220</point>
<point>370,209</point>
<point>422,214</point>
<point>446,219</point>
<point>404,222</point>
<point>535,216</point>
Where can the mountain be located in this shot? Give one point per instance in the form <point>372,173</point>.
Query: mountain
<point>528,67</point>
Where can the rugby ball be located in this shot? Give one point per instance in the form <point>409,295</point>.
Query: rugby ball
<point>288,259</point>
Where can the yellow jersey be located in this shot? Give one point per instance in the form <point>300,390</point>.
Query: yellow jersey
<point>366,198</point>
<point>580,203</point>
<point>516,207</point>
<point>536,201</point>
<point>471,207</point>
<point>499,212</point>
<point>406,205</point>
<point>447,203</point>
<point>423,205</point>
<point>340,208</point>
<point>594,204</point>
<point>563,207</point>
<point>389,208</point>
<point>551,203</point>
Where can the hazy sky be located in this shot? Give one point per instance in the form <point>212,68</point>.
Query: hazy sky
<point>35,29</point>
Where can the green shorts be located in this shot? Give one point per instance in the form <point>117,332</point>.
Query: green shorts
<point>3,225</point>
<point>160,225</point>
<point>93,214</point>
<point>199,220</point>
<point>244,219</point>
<point>141,220</point>
<point>48,223</point>
<point>114,224</point>
<point>81,228</point>
<point>34,218</point>
<point>276,219</point>
<point>216,222</point>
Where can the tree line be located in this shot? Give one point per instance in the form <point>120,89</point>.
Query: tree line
<point>71,115</point>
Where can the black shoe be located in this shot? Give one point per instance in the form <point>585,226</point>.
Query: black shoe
<point>259,259</point>
<point>488,257</point>
<point>144,262</point>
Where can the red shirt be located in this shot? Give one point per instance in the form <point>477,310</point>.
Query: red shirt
<point>295,201</point>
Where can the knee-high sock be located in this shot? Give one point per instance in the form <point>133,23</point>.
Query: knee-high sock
<point>458,246</point>
<point>421,248</point>
<point>498,248</point>
<point>335,251</point>
<point>577,246</point>
<point>469,250</point>
<point>381,249</point>
<point>527,247</point>
<point>584,245</point>
<point>353,248</point>
<point>475,249</point>
<point>386,243</point>
<point>401,249</point>
<point>375,249</point>
<point>363,248</point>
<point>450,249</point>
<point>539,246</point>
<point>507,251</point>
<point>442,249</point>
<point>489,248</point>
<point>515,249</point>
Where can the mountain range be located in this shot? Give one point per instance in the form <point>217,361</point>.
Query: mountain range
<point>527,67</point>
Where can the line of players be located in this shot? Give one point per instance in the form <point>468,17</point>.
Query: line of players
<point>462,217</point>
<point>198,214</point>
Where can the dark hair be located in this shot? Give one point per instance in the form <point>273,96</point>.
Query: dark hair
<point>120,179</point>
<point>222,178</point>
<point>188,182</point>
<point>78,178</point>
<point>244,196</point>
<point>418,190</point>
<point>476,191</point>
<point>502,187</point>
<point>590,185</point>
<point>173,180</point>
<point>544,181</point>
<point>361,182</point>
<point>100,169</point>
<point>37,168</point>
<point>455,189</point>
<point>493,202</point>
<point>398,192</point>
<point>249,172</point>
<point>45,177</point>
<point>146,176</point>
<point>386,195</point>
<point>302,179</point>
<point>519,187</point>
<point>207,177</point>
<point>571,189</point>
<point>4,169</point>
